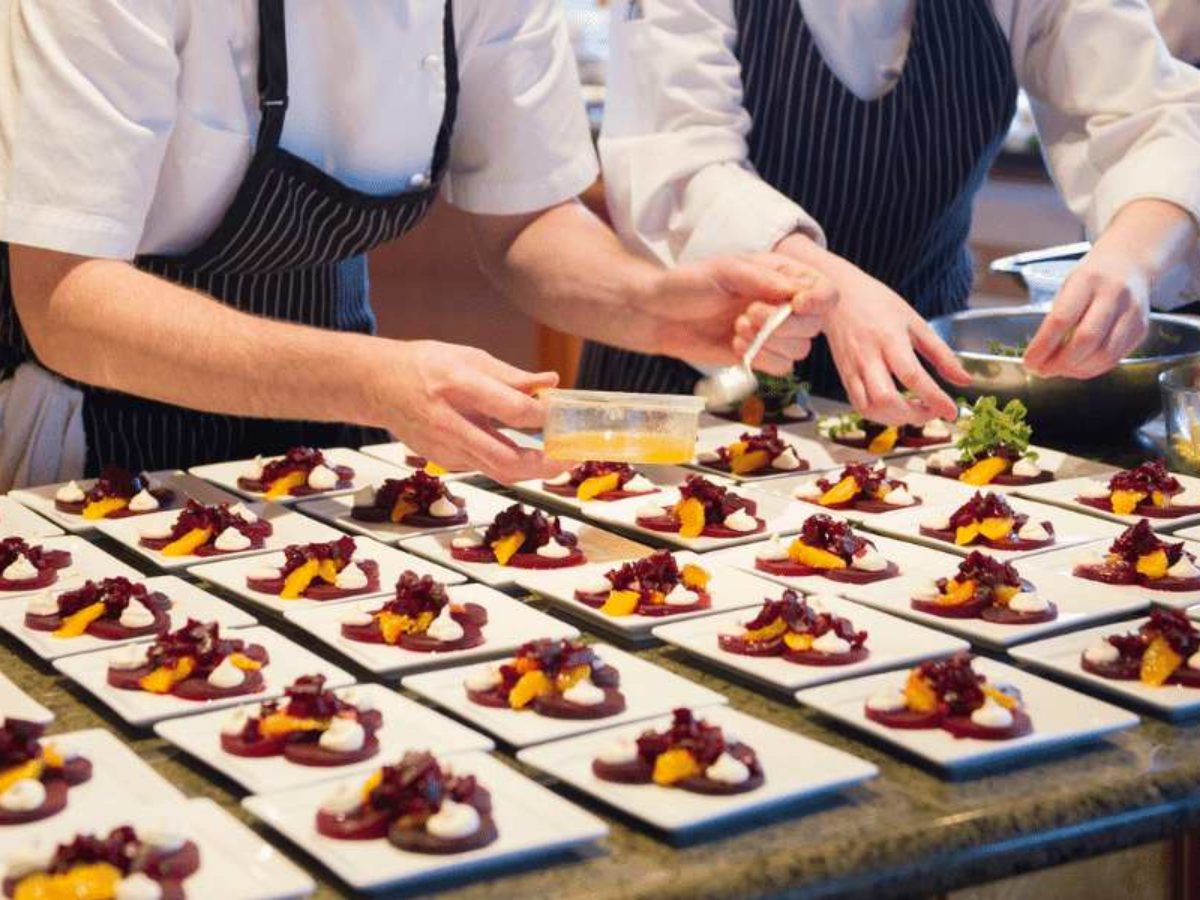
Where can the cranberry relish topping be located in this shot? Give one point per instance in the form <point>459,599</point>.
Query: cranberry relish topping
<point>417,595</point>
<point>987,573</point>
<point>704,741</point>
<point>117,482</point>
<point>832,535</point>
<point>19,742</point>
<point>1171,625</point>
<point>538,528</point>
<point>198,641</point>
<point>958,687</point>
<point>417,786</point>
<point>658,573</point>
<point>300,459</point>
<point>13,548</point>
<point>415,493</point>
<point>1149,478</point>
<point>800,618</point>
<point>307,699</point>
<point>595,469</point>
<point>198,517</point>
<point>340,552</point>
<point>719,503</point>
<point>986,506</point>
<point>767,442</point>
<point>114,593</point>
<point>1139,540</point>
<point>872,481</point>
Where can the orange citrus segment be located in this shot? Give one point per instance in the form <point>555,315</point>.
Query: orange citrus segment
<point>767,632</point>
<point>920,695</point>
<point>691,517</point>
<point>749,462</point>
<point>401,509</point>
<point>392,625</point>
<point>798,642</point>
<point>571,677</point>
<point>996,529</point>
<point>102,509</point>
<point>432,468</point>
<point>506,547</point>
<point>621,603</point>
<point>77,623</point>
<point>298,580</point>
<point>1158,498</point>
<point>1159,662</point>
<point>591,488</point>
<point>842,492</point>
<point>1153,565</point>
<point>245,663</point>
<point>675,765</point>
<point>1125,502</point>
<point>283,486</point>
<point>328,571</point>
<point>694,577</point>
<point>528,688</point>
<point>26,771</point>
<point>162,679</point>
<point>1006,592</point>
<point>752,411</point>
<point>985,471</point>
<point>281,723</point>
<point>884,441</point>
<point>1006,700</point>
<point>373,781</point>
<point>815,557</point>
<point>189,543</point>
<point>957,594</point>
<point>86,881</point>
<point>965,534</point>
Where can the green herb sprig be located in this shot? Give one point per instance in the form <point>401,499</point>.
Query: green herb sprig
<point>987,428</point>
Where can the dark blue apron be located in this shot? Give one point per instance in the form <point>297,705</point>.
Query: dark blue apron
<point>291,247</point>
<point>891,180</point>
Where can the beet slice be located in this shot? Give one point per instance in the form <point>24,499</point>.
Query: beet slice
<point>322,591</point>
<point>554,706</point>
<point>55,802</point>
<point>493,698</point>
<point>236,745</point>
<point>963,727</point>
<point>174,866</point>
<point>200,689</point>
<point>77,771</point>
<point>813,658</point>
<point>519,560</point>
<point>905,719</point>
<point>418,840</point>
<point>1185,676</point>
<point>45,578</point>
<point>310,753</point>
<point>472,617</point>
<point>1002,615</point>
<point>1005,480</point>
<point>363,824</point>
<point>669,524</point>
<point>766,468</point>
<point>971,610</point>
<point>639,771</point>
<point>1015,545</point>
<point>702,784</point>
<point>1122,670</point>
<point>113,630</point>
<point>732,643</point>
<point>791,569</point>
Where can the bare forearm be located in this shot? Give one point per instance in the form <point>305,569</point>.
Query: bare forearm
<point>1155,235</point>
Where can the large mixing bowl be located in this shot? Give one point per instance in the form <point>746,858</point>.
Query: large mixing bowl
<point>1110,406</point>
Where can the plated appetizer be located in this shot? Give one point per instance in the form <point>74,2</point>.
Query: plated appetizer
<point>655,586</point>
<point>421,501</point>
<point>559,679</point>
<point>1140,557</point>
<point>852,430</point>
<point>116,494</point>
<point>692,755</point>
<point>605,481</point>
<point>193,663</point>
<point>799,631</point>
<point>421,617</point>
<point>985,588</point>
<point>301,472</point>
<point>418,804</point>
<point>524,539</point>
<point>321,571</point>
<point>993,448</point>
<point>950,695</point>
<point>112,609</point>
<point>25,566</point>
<point>827,547</point>
<point>1147,490</point>
<point>859,487</point>
<point>779,400</point>
<point>35,777</point>
<point>1164,650</point>
<point>119,866</point>
<point>206,531</point>
<point>986,520</point>
<point>428,466</point>
<point>311,726</point>
<point>704,510</point>
<point>755,454</point>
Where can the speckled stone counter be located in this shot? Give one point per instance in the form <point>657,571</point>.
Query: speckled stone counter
<point>907,832</point>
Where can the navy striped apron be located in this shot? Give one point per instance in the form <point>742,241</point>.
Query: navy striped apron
<point>291,247</point>
<point>891,180</point>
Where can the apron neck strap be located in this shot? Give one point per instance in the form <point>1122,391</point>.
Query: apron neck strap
<point>272,72</point>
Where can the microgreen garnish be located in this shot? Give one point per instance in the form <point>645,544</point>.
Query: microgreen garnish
<point>988,428</point>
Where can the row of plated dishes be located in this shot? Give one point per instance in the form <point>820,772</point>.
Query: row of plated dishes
<point>835,610</point>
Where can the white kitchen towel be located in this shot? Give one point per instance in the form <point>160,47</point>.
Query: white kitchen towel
<point>42,440</point>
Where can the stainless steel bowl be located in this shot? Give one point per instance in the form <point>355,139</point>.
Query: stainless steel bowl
<point>1110,406</point>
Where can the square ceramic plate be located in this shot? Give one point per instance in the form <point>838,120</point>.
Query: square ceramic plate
<point>661,476</point>
<point>16,704</point>
<point>289,528</point>
<point>1061,656</point>
<point>187,602</point>
<point>119,778</point>
<point>893,643</point>
<point>1192,533</point>
<point>729,589</point>
<point>1070,528</point>
<point>22,521</point>
<point>1065,493</point>
<point>367,470</point>
<point>235,863</point>
<point>1063,563</point>
<point>510,624</point>
<point>532,824</point>
<point>818,406</point>
<point>931,491</point>
<point>1061,717</point>
<point>288,662</point>
<point>1078,605</point>
<point>230,574</point>
<point>648,689</point>
<point>781,515</point>
<point>482,507</point>
<point>598,546</point>
<point>405,724</point>
<point>820,455</point>
<point>795,768</point>
<point>1062,465</point>
<point>87,561</point>
<point>41,499</point>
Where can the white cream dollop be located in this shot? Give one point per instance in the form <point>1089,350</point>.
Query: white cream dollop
<point>596,585</point>
<point>936,429</point>
<point>442,508</point>
<point>639,484</point>
<point>1184,567</point>
<point>619,752</point>
<point>807,490</point>
<point>562,479</point>
<point>649,511</point>
<point>322,478</point>
<point>364,496</point>
<point>1033,531</point>
<point>483,680</point>
<point>1095,490</point>
<point>453,820</point>
<point>236,721</point>
<point>136,615</point>
<point>359,619</point>
<point>740,520</point>
<point>831,644</point>
<point>1194,660</point>
<point>992,715</point>
<point>774,550</point>
<point>553,550</point>
<point>943,459</point>
<point>467,540</point>
<point>787,461</point>
<point>143,501</point>
<point>444,627</point>
<point>164,837</point>
<point>131,656</point>
<point>345,799</point>
<point>159,532</point>
<point>888,700</point>
<point>254,468</point>
<point>22,861</point>
<point>138,886</point>
<point>937,523</point>
<point>1103,653</point>
<point>343,736</point>
<point>1026,468</point>
<point>708,457</point>
<point>728,769</point>
<point>226,675</point>
<point>264,573</point>
<point>869,560</point>
<point>70,492</point>
<point>44,604</point>
<point>680,595</point>
<point>356,699</point>
<point>23,795</point>
<point>584,693</point>
<point>899,497</point>
<point>1028,602</point>
<point>20,569</point>
<point>231,541</point>
<point>245,512</point>
<point>352,578</point>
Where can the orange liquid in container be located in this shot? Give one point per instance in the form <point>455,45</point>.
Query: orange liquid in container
<point>621,446</point>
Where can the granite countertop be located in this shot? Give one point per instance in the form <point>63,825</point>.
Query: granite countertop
<point>908,831</point>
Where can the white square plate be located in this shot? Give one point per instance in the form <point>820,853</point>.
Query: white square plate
<point>288,662</point>
<point>120,778</point>
<point>930,490</point>
<point>1061,717</point>
<point>1078,605</point>
<point>1062,465</point>
<point>820,455</point>
<point>16,704</point>
<point>187,602</point>
<point>482,507</point>
<point>598,546</point>
<point>781,515</point>
<point>648,689</point>
<point>893,643</point>
<point>1069,528</point>
<point>87,561</point>
<point>1191,533</point>
<point>289,528</point>
<point>1065,493</point>
<point>405,724</point>
<point>662,476</point>
<point>41,499</point>
<point>367,470</point>
<point>22,521</point>
<point>1136,597</point>
<point>1061,656</point>
<point>510,624</point>
<point>795,768</point>
<point>532,823</point>
<point>235,863</point>
<point>909,557</point>
<point>230,574</point>
<point>729,588</point>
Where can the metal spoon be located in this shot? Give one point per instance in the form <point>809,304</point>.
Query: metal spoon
<point>733,384</point>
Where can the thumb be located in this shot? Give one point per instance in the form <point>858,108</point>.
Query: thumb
<point>526,382</point>
<point>747,279</point>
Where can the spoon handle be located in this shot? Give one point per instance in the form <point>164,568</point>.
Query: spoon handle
<point>781,315</point>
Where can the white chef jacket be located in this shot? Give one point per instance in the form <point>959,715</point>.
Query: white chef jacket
<point>1119,118</point>
<point>126,126</point>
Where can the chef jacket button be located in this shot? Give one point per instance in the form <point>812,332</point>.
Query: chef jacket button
<point>432,61</point>
<point>420,180</point>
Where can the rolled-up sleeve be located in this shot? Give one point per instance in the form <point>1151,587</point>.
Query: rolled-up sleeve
<point>521,140</point>
<point>87,102</point>
<point>678,179</point>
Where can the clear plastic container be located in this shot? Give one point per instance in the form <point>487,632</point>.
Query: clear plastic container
<point>1181,409</point>
<point>655,429</point>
